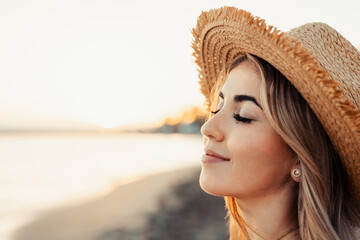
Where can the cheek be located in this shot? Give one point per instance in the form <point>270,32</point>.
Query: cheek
<point>261,160</point>
<point>273,146</point>
<point>257,148</point>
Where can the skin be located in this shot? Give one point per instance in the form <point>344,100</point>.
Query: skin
<point>258,172</point>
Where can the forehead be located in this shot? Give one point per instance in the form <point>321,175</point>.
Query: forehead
<point>243,79</point>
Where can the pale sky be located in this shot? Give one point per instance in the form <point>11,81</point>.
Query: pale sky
<point>113,62</point>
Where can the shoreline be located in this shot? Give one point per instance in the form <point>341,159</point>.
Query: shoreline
<point>125,207</point>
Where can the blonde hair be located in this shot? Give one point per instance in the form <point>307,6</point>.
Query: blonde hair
<point>326,209</point>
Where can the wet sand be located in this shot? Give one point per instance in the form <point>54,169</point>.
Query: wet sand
<point>126,207</point>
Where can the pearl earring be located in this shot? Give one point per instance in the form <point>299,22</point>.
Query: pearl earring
<point>296,172</point>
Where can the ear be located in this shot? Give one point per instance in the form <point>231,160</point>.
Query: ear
<point>296,171</point>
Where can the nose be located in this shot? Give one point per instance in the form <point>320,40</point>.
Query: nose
<point>212,129</point>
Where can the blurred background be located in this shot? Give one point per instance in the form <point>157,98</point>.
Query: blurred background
<point>100,112</point>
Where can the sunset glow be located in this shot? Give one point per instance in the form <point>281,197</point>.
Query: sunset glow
<point>111,63</point>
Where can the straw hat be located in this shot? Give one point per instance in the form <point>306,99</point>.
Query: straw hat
<point>322,65</point>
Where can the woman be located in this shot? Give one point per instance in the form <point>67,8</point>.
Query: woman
<point>282,143</point>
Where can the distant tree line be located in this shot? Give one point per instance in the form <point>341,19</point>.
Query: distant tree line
<point>189,122</point>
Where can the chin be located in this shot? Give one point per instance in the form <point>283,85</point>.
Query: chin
<point>211,184</point>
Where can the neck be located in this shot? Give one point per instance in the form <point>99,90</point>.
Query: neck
<point>271,215</point>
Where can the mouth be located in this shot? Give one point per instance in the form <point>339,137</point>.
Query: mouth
<point>213,157</point>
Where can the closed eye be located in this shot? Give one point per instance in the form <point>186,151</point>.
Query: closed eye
<point>239,118</point>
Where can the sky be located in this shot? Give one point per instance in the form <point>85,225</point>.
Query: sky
<point>107,63</point>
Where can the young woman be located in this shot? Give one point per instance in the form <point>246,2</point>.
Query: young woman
<point>282,142</point>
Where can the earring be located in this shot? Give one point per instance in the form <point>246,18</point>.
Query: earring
<point>296,172</point>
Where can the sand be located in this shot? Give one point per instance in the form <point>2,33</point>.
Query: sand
<point>125,207</point>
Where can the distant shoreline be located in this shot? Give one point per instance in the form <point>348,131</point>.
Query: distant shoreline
<point>85,132</point>
<point>167,127</point>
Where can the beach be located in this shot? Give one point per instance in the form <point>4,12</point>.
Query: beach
<point>81,186</point>
<point>148,208</point>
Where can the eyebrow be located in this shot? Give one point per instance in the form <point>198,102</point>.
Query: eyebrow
<point>241,98</point>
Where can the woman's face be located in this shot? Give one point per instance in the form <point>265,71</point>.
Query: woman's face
<point>244,156</point>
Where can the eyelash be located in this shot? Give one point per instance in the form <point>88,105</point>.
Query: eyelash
<point>237,117</point>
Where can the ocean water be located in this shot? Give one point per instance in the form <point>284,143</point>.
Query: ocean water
<point>44,171</point>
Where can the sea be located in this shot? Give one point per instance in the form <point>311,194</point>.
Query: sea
<point>45,171</point>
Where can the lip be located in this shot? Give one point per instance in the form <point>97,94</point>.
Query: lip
<point>213,157</point>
